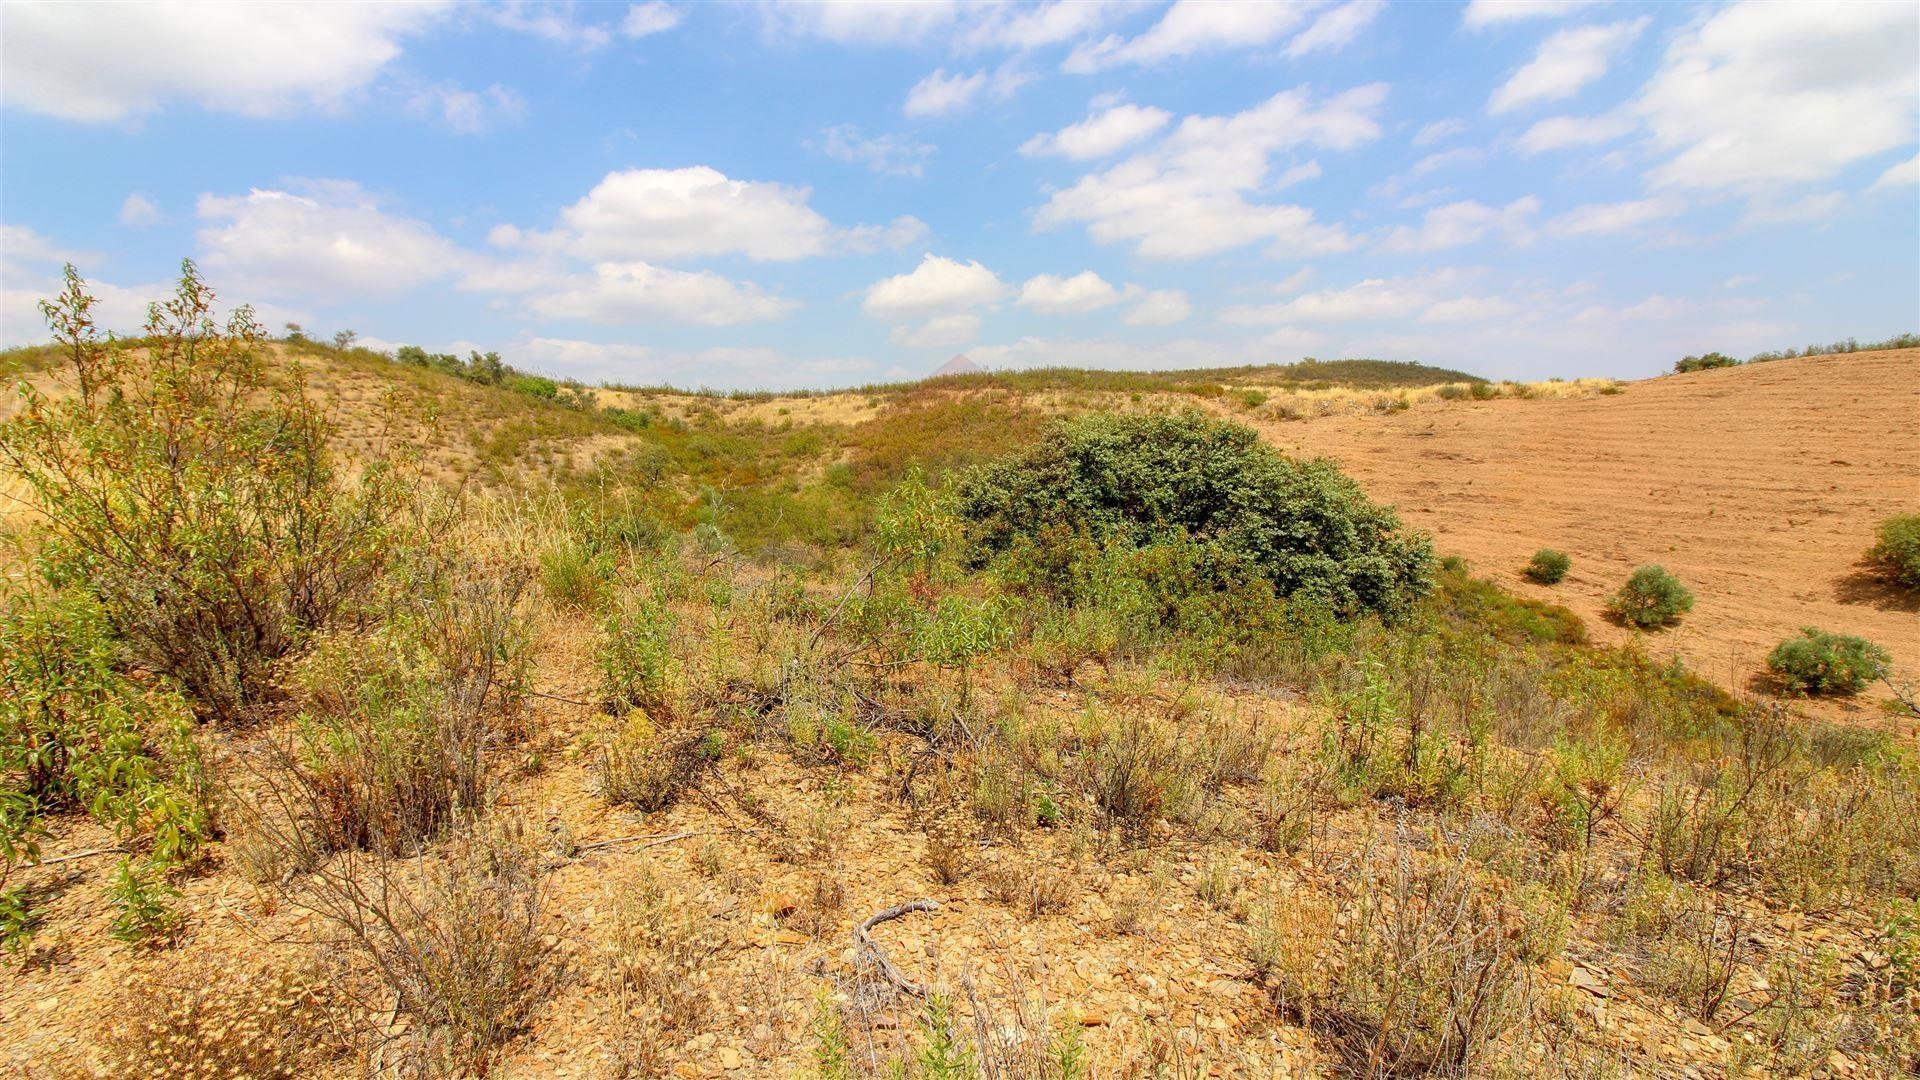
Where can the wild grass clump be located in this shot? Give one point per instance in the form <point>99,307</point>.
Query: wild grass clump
<point>192,498</point>
<point>1548,567</point>
<point>1151,479</point>
<point>1896,552</point>
<point>1650,599</point>
<point>1822,663</point>
<point>1419,974</point>
<point>222,1022</point>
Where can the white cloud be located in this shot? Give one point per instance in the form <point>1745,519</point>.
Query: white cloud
<point>1076,295</point>
<point>1903,174</point>
<point>1438,130</point>
<point>1762,94</point>
<point>902,232</point>
<point>941,94</point>
<point>938,286</point>
<point>551,22</point>
<point>1601,218</point>
<point>1470,309</point>
<point>1740,281</point>
<point>1465,222</point>
<point>1188,195</point>
<point>222,56</point>
<point>1566,62</point>
<point>672,214</point>
<point>939,332</point>
<point>467,112</point>
<point>1190,28</point>
<point>645,365</point>
<point>1100,134</point>
<point>859,22</point>
<point>1816,206</point>
<point>138,212</point>
<point>328,238</point>
<point>1484,13</point>
<point>636,293</point>
<point>1162,307</point>
<point>1033,26</point>
<point>650,18</point>
<point>887,155</point>
<point>1337,28</point>
<point>1374,298</point>
<point>1559,132</point>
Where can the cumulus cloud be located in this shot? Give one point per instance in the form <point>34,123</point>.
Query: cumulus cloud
<point>1100,134</point>
<point>887,155</point>
<point>138,211</point>
<point>670,214</point>
<point>1188,195</point>
<point>1190,28</point>
<point>1076,295</point>
<point>1161,307</point>
<point>1336,28</point>
<point>467,112</point>
<point>1765,94</point>
<point>325,238</point>
<point>1566,62</point>
<point>1033,26</point>
<point>645,364</point>
<point>1601,218</point>
<point>1465,222</point>
<point>1481,14</point>
<point>221,56</point>
<point>939,332</point>
<point>638,293</point>
<point>643,20</point>
<point>941,94</point>
<point>1903,174</point>
<point>1560,132</point>
<point>938,286</point>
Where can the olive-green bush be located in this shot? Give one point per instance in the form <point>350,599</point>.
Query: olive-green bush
<point>1897,552</point>
<point>1818,662</point>
<point>1651,598</point>
<point>1151,479</point>
<point>1548,567</point>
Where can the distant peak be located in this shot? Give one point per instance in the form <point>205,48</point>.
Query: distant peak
<point>959,365</point>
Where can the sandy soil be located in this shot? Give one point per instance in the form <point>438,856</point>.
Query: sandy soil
<point>1759,486</point>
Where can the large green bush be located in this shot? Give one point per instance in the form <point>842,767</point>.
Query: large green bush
<point>1818,662</point>
<point>191,497</point>
<point>1897,553</point>
<point>1154,479</point>
<point>1651,598</point>
<point>1702,363</point>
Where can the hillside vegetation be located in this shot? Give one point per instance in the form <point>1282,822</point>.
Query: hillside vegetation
<point>364,717</point>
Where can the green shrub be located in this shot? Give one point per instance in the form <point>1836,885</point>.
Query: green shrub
<point>1897,553</point>
<point>1651,598</point>
<point>1818,662</point>
<point>1152,479</point>
<point>193,498</point>
<point>1547,567</point>
<point>1702,363</point>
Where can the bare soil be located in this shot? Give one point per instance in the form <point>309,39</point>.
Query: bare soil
<point>1759,486</point>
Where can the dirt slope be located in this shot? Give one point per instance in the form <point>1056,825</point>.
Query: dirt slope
<point>1759,486</point>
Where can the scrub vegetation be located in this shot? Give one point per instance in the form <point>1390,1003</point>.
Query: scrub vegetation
<point>965,735</point>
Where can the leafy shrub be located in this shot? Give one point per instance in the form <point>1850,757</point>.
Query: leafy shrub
<point>1651,598</point>
<point>1897,553</point>
<point>1152,479</point>
<point>1702,363</point>
<point>1548,567</point>
<point>1818,662</point>
<point>76,733</point>
<point>633,652</point>
<point>193,498</point>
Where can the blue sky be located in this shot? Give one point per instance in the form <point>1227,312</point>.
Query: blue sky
<point>777,195</point>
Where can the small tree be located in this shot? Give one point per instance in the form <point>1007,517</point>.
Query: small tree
<point>344,339</point>
<point>191,497</point>
<point>1651,598</point>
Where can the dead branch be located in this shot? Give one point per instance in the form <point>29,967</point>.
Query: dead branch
<point>645,840</point>
<point>866,948</point>
<point>115,850</point>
